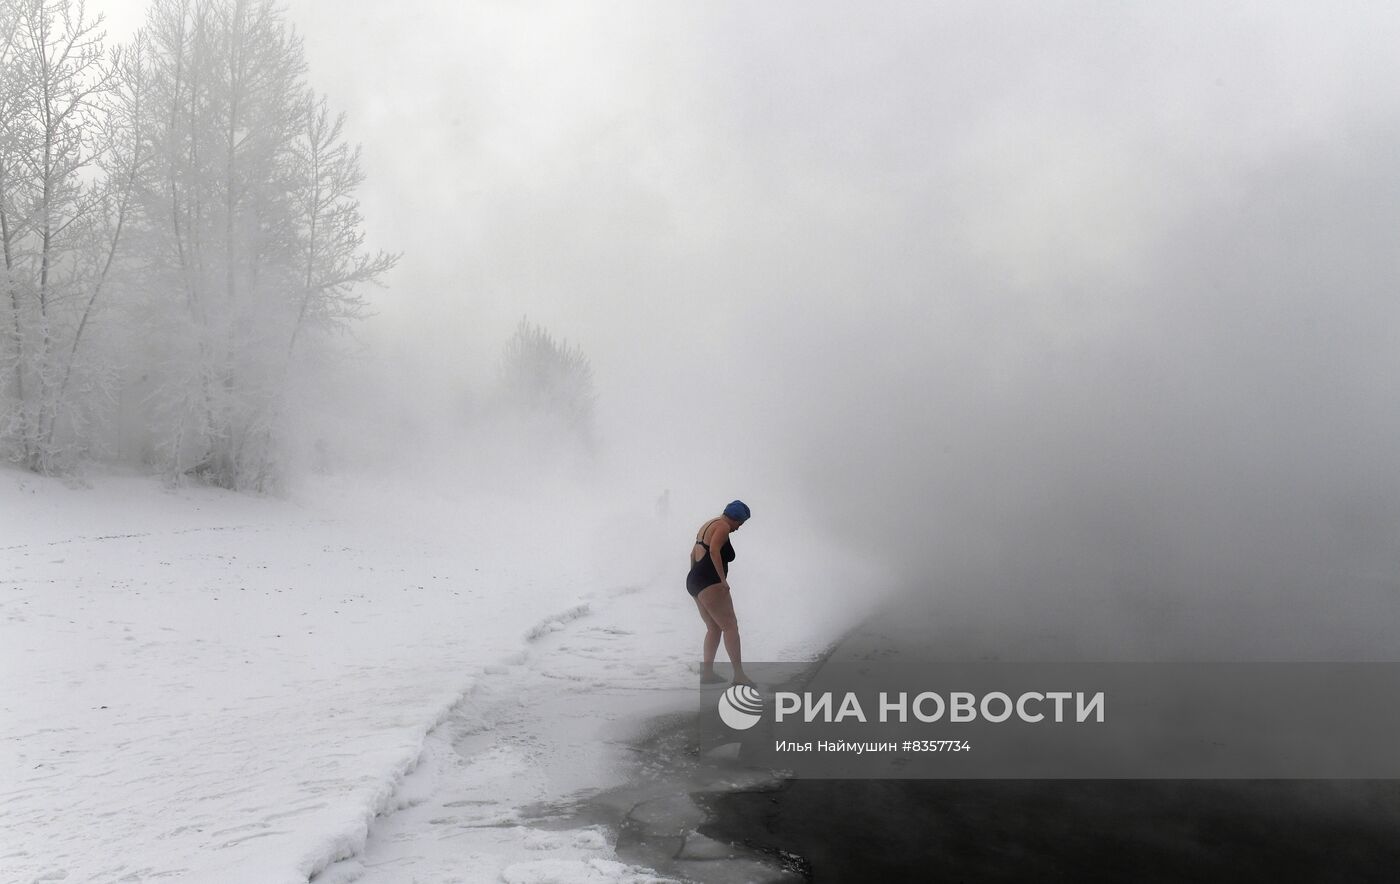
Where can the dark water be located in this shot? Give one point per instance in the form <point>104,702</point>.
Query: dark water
<point>1002,830</point>
<point>1058,830</point>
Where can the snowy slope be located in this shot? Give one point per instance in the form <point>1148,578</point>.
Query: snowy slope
<point>214,687</point>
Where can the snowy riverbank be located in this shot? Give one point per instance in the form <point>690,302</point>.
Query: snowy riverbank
<point>214,687</point>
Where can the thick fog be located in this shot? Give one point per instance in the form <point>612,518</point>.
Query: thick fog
<point>1082,312</point>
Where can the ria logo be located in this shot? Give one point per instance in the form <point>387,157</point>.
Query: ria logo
<point>741,707</point>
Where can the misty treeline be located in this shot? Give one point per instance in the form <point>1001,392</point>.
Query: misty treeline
<point>179,229</point>
<point>548,380</point>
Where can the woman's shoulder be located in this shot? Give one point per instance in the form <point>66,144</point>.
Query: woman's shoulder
<point>714,528</point>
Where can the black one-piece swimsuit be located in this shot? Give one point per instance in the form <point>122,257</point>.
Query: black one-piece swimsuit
<point>702,572</point>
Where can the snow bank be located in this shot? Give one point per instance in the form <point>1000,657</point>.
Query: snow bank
<point>219,687</point>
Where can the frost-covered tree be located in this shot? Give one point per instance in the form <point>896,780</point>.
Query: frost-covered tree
<point>14,77</point>
<point>332,238</point>
<point>56,76</point>
<point>545,377</point>
<point>216,234</point>
<point>249,229</point>
<point>176,221</point>
<point>84,368</point>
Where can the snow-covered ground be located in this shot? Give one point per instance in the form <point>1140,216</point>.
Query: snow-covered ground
<point>207,686</point>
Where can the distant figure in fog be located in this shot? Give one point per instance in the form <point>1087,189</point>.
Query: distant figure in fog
<point>663,505</point>
<point>708,584</point>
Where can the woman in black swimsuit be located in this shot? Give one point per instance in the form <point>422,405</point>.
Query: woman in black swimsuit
<point>708,584</point>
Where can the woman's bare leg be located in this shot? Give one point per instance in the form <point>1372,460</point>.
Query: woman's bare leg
<point>715,601</point>
<point>712,636</point>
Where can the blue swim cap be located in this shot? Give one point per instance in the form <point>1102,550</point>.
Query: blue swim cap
<point>738,511</point>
